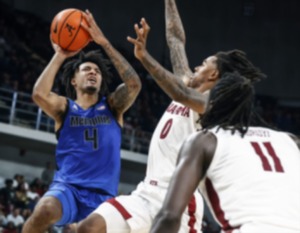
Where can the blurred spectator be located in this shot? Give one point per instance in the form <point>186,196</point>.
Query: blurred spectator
<point>16,218</point>
<point>7,195</point>
<point>21,200</point>
<point>48,173</point>
<point>2,220</point>
<point>19,179</point>
<point>10,228</point>
<point>32,193</point>
<point>16,180</point>
<point>32,196</point>
<point>1,226</point>
<point>22,181</point>
<point>38,186</point>
<point>25,213</point>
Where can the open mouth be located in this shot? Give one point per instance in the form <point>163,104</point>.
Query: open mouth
<point>92,80</point>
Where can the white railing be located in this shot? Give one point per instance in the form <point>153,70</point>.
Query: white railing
<point>17,108</point>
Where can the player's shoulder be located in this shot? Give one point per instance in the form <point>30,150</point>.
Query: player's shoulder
<point>203,143</point>
<point>202,135</point>
<point>204,140</point>
<point>295,139</point>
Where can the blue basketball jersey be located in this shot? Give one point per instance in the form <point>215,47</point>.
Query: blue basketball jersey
<point>88,149</point>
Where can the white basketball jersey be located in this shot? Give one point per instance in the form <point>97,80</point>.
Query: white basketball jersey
<point>253,183</point>
<point>175,125</point>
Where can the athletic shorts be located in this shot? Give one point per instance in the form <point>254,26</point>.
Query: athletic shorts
<point>135,213</point>
<point>77,203</point>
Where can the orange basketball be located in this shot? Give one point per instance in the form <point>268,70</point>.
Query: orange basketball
<point>66,30</point>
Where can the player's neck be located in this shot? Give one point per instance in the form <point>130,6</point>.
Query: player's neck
<point>206,87</point>
<point>202,89</point>
<point>86,100</point>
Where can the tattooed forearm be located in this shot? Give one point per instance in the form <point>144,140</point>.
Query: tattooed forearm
<point>176,40</point>
<point>179,61</point>
<point>125,70</point>
<point>126,93</point>
<point>173,86</point>
<point>170,83</point>
<point>173,23</point>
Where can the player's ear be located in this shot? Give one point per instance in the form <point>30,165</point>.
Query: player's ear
<point>73,82</point>
<point>214,75</point>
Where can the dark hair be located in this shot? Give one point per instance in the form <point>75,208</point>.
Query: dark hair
<point>72,65</point>
<point>8,181</point>
<point>230,104</point>
<point>237,61</point>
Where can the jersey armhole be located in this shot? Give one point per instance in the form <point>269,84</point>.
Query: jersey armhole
<point>111,110</point>
<point>64,115</point>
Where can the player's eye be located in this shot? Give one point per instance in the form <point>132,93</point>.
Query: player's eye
<point>86,69</point>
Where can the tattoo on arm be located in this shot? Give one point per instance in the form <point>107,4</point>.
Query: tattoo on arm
<point>173,22</point>
<point>124,69</point>
<point>173,86</point>
<point>176,40</point>
<point>179,61</point>
<point>169,82</point>
<point>125,94</point>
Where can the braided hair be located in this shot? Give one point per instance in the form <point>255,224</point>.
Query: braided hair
<point>72,66</point>
<point>237,61</point>
<point>230,104</point>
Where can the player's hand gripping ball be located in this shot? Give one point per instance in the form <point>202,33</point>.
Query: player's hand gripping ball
<point>67,32</point>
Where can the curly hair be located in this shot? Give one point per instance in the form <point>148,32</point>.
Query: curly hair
<point>72,66</point>
<point>230,104</point>
<point>237,61</point>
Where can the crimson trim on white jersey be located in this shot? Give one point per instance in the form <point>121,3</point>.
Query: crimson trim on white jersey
<point>120,208</point>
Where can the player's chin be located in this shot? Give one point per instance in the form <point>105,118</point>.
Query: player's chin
<point>91,89</point>
<point>196,84</point>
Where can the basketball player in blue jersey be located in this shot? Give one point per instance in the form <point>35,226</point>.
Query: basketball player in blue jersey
<point>88,126</point>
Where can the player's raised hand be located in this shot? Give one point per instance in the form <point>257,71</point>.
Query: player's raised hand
<point>140,42</point>
<point>94,30</point>
<point>64,54</point>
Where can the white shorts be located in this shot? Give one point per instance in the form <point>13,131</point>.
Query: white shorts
<point>135,213</point>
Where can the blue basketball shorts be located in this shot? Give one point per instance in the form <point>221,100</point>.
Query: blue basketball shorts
<point>77,203</point>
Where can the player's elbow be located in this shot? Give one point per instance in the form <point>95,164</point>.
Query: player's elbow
<point>135,87</point>
<point>37,96</point>
<point>179,96</point>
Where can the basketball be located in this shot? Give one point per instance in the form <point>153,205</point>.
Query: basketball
<point>66,30</point>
